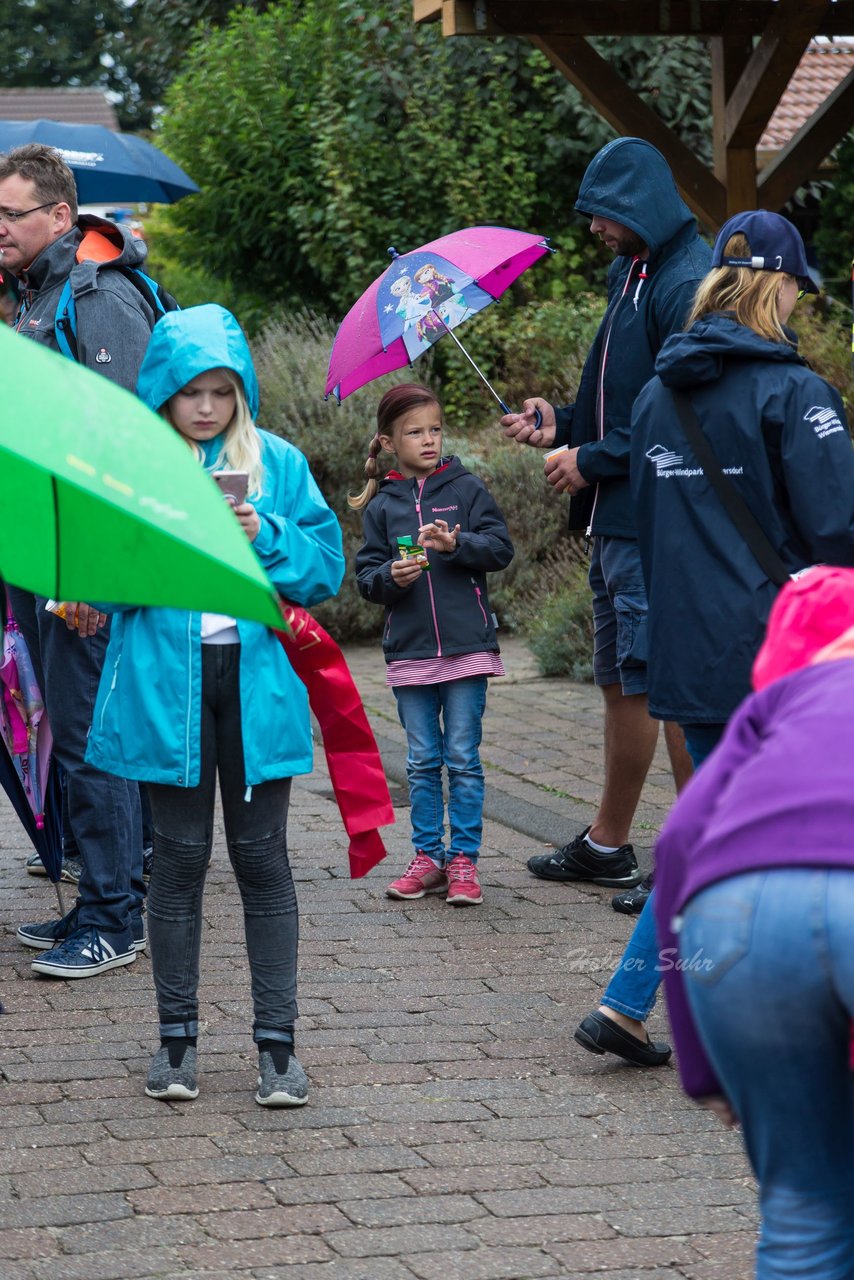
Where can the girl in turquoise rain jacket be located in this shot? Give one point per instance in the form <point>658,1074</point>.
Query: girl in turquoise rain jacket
<point>185,695</point>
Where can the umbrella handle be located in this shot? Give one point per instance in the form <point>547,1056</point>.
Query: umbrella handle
<point>538,417</point>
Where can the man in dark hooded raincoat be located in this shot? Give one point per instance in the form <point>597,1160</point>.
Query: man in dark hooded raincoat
<point>629,194</point>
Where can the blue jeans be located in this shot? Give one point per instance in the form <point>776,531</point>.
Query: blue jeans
<point>773,1008</point>
<point>444,726</point>
<point>103,810</point>
<point>255,832</point>
<point>634,985</point>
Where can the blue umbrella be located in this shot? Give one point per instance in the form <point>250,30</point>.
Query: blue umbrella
<point>107,166</point>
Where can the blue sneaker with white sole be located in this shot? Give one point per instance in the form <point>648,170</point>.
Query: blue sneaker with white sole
<point>45,936</point>
<point>83,954</point>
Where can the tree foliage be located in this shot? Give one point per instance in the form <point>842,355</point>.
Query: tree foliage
<point>55,43</point>
<point>833,239</point>
<point>130,48</point>
<point>343,128</point>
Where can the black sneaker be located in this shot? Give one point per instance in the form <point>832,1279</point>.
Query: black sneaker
<point>631,902</point>
<point>577,861</point>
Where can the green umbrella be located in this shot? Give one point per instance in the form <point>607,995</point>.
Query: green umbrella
<point>102,500</point>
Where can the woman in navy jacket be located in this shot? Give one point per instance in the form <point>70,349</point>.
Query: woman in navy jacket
<point>779,433</point>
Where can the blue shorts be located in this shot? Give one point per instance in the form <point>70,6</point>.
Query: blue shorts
<point>619,614</point>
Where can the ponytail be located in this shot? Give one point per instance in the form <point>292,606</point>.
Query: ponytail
<point>372,471</point>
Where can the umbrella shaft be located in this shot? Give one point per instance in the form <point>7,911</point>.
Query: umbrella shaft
<point>478,371</point>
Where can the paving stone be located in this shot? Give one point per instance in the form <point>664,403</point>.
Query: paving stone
<point>115,1177</point>
<point>541,1231</point>
<point>486,1264</point>
<point>201,1201</point>
<point>282,1251</point>
<point>622,1254</point>
<point>412,1209</point>
<point>363,1242</point>
<point>354,1160</point>
<point>109,1265</point>
<point>28,1242</point>
<point>680,1221</point>
<point>61,1210</point>
<point>133,1234</point>
<point>334,1188</point>
<point>484,1178</point>
<point>280,1220</point>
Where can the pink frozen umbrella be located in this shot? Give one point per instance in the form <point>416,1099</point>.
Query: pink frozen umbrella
<point>423,295</point>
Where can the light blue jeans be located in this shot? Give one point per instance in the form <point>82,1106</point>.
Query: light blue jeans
<point>634,985</point>
<point>773,1008</point>
<point>444,726</point>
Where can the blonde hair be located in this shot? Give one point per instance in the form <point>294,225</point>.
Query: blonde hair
<point>751,295</point>
<point>241,444</point>
<point>393,406</point>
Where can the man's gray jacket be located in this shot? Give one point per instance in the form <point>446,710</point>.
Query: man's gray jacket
<point>114,321</point>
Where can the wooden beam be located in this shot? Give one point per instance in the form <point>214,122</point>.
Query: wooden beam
<point>730,55</point>
<point>734,167</point>
<point>629,114</point>
<point>802,155</point>
<point>426,10</point>
<point>549,18</point>
<point>772,65</point>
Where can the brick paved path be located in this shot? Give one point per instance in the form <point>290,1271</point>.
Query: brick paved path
<point>455,1131</point>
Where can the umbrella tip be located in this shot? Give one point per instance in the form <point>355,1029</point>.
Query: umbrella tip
<point>392,252</point>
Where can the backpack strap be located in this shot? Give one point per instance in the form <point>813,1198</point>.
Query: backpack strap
<point>733,503</point>
<point>82,279</point>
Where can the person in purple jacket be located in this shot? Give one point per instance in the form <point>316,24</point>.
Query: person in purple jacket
<point>755,912</point>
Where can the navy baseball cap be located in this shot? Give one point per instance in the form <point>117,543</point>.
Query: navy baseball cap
<point>775,245</point>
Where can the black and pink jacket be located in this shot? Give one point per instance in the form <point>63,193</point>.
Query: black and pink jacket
<point>446,611</point>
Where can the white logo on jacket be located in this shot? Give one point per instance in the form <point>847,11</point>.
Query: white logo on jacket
<point>663,459</point>
<point>667,464</point>
<point>825,421</point>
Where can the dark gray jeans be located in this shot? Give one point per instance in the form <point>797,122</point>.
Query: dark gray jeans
<point>256,835</point>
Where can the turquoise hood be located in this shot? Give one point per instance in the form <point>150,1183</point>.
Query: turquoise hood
<point>187,343</point>
<point>629,181</point>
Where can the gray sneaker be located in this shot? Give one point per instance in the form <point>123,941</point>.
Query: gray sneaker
<point>71,868</point>
<point>173,1084</point>
<point>274,1090</point>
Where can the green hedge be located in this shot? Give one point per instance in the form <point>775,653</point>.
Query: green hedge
<point>525,349</point>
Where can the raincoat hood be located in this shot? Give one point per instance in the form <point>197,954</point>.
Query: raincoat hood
<point>629,181</point>
<point>91,239</point>
<point>185,344</point>
<point>698,355</point>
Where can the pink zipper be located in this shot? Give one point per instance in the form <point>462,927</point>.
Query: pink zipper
<point>429,580</point>
<point>480,606</point>
<point>600,389</point>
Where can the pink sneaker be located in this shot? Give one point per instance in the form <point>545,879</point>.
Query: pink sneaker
<point>421,876</point>
<point>463,884</point>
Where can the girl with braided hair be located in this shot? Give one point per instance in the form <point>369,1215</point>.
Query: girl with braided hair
<point>439,635</point>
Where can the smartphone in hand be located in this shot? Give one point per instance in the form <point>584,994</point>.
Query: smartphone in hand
<point>234,485</point>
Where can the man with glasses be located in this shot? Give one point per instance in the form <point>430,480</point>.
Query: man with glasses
<point>44,244</point>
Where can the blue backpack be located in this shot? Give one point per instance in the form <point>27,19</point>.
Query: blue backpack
<point>83,277</point>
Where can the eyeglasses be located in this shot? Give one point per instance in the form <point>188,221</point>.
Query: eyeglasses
<point>12,216</point>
